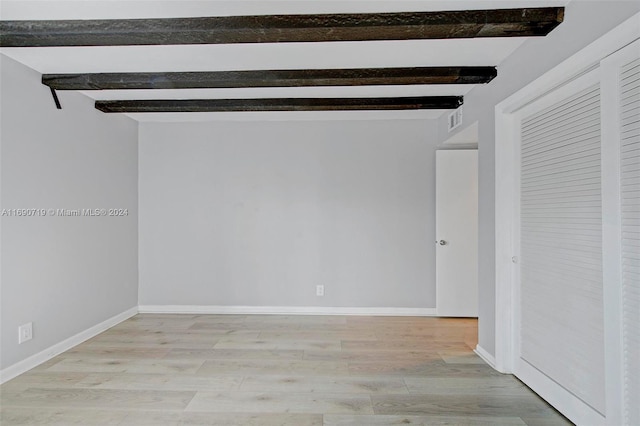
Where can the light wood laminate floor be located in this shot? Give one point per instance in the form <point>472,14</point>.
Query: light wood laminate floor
<point>274,370</point>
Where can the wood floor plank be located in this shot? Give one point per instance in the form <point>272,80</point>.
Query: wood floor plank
<point>87,351</point>
<point>115,365</point>
<point>411,321</point>
<point>452,357</point>
<point>390,420</point>
<point>431,335</point>
<point>270,367</point>
<point>318,335</point>
<point>221,318</point>
<point>157,326</point>
<point>280,402</point>
<point>120,399</point>
<point>464,405</point>
<point>175,382</point>
<point>42,379</point>
<point>324,384</point>
<point>250,326</point>
<point>221,419</point>
<point>152,344</point>
<point>210,354</point>
<point>37,416</point>
<point>262,344</point>
<point>501,385</point>
<point>45,365</point>
<point>418,368</point>
<point>296,319</point>
<point>403,345</point>
<point>377,356</point>
<point>547,421</point>
<point>144,339</point>
<point>191,331</point>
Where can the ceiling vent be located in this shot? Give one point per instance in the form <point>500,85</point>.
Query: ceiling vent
<point>455,119</point>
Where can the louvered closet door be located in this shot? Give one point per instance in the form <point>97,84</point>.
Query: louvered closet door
<point>559,318</point>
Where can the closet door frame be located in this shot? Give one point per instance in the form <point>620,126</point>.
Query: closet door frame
<point>507,194</point>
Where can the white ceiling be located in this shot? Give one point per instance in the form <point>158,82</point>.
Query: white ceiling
<point>488,51</point>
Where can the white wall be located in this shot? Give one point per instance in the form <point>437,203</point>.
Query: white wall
<point>65,274</point>
<point>585,21</point>
<point>259,213</point>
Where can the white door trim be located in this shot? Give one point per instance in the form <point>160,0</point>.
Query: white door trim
<point>507,195</point>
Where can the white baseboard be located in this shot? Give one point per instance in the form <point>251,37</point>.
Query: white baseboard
<point>486,356</point>
<point>284,310</point>
<point>45,355</point>
<point>572,407</point>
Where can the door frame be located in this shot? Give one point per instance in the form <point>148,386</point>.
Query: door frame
<point>507,196</point>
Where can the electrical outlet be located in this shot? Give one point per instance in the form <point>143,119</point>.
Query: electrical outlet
<point>25,332</point>
<point>319,290</point>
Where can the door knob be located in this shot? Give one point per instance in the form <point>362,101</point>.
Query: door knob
<point>442,242</point>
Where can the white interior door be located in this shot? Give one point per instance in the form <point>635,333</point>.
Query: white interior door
<point>457,233</point>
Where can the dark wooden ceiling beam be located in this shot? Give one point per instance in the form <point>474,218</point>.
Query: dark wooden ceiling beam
<point>280,104</point>
<point>283,28</point>
<point>271,78</point>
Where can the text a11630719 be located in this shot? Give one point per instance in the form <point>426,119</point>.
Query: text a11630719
<point>63,212</point>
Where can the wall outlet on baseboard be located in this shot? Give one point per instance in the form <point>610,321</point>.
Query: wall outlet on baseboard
<point>319,290</point>
<point>25,332</point>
